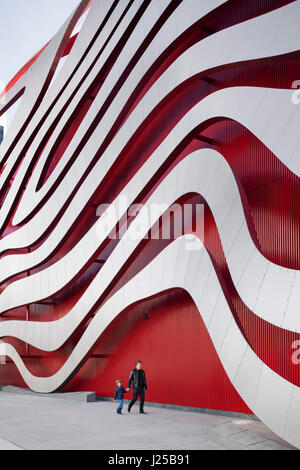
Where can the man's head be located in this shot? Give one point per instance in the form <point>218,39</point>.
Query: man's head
<point>119,383</point>
<point>138,365</point>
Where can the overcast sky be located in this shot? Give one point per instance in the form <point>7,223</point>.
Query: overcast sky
<point>25,27</point>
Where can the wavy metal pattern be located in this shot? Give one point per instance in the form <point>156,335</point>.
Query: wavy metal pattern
<point>158,101</point>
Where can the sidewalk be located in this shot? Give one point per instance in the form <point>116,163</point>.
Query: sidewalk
<point>34,422</point>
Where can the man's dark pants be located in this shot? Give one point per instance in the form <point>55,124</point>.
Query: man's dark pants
<point>138,392</point>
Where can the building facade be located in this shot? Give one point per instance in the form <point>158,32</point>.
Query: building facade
<point>190,108</point>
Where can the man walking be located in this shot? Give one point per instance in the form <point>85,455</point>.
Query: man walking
<point>139,385</point>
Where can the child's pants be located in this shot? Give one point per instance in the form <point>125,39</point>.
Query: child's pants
<point>120,405</point>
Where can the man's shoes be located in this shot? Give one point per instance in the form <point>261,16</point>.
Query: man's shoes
<point>143,413</point>
<point>128,409</point>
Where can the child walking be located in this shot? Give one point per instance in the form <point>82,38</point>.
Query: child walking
<point>119,395</point>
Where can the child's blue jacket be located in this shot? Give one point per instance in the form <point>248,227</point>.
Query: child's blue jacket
<point>119,392</point>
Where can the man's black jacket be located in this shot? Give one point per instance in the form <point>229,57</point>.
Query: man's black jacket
<point>133,377</point>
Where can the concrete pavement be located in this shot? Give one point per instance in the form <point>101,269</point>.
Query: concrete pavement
<point>35,422</point>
